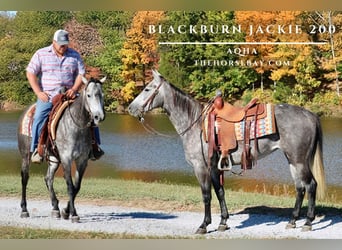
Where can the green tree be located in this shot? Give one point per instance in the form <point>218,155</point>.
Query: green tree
<point>111,26</point>
<point>203,68</point>
<point>24,34</point>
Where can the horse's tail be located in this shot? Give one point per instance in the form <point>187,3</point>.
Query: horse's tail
<point>317,166</point>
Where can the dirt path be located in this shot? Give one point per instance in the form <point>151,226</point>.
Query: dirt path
<point>116,219</point>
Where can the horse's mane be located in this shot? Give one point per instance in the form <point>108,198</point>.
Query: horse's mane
<point>185,102</point>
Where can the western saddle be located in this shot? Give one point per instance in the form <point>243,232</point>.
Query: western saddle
<point>48,133</point>
<point>221,134</point>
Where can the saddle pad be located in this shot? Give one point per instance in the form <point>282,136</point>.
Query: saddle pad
<point>56,116</point>
<point>264,126</point>
<point>26,125</point>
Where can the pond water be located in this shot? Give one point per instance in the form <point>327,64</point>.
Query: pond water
<point>133,153</point>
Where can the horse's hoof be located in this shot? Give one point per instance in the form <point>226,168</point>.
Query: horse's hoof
<point>201,231</point>
<point>222,227</point>
<point>55,214</point>
<point>306,228</point>
<point>75,219</point>
<point>24,214</point>
<point>290,225</point>
<point>65,215</point>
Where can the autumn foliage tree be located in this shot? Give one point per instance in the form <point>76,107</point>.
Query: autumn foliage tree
<point>192,66</point>
<point>139,52</point>
<point>298,76</point>
<point>258,20</point>
<point>279,21</point>
<point>120,44</point>
<point>331,53</point>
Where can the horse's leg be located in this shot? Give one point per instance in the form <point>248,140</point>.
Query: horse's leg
<point>220,194</point>
<point>300,193</point>
<point>204,180</point>
<point>310,185</point>
<point>311,191</point>
<point>25,167</point>
<point>49,178</point>
<point>304,183</point>
<point>70,189</point>
<point>78,180</point>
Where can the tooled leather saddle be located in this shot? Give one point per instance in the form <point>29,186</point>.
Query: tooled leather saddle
<point>48,133</point>
<point>224,118</point>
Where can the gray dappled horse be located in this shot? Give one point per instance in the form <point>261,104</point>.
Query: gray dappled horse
<point>73,143</point>
<point>298,135</point>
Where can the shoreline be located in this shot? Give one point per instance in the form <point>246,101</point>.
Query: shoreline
<point>334,111</point>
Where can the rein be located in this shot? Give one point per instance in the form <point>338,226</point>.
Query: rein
<point>150,129</point>
<point>88,124</point>
<point>153,131</point>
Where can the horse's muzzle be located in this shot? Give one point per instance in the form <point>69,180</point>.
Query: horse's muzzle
<point>99,118</point>
<point>133,111</point>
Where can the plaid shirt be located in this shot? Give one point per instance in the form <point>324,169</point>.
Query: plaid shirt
<point>54,72</point>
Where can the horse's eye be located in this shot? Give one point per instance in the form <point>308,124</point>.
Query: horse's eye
<point>88,96</point>
<point>146,90</point>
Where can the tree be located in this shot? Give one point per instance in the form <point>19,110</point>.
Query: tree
<point>140,48</point>
<point>111,27</point>
<point>298,68</point>
<point>24,34</point>
<point>300,75</point>
<point>84,38</point>
<point>259,20</point>
<point>329,23</point>
<point>203,68</point>
<point>139,53</point>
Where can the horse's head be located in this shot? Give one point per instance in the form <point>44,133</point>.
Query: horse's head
<point>94,99</point>
<point>150,98</point>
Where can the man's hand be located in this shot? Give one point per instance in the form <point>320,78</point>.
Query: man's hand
<point>70,93</point>
<point>43,96</point>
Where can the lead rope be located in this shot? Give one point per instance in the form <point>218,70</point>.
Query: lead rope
<point>151,130</point>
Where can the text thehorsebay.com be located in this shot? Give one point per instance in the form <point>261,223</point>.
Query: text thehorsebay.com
<point>244,49</point>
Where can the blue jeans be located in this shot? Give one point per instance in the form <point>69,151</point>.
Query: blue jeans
<point>40,116</point>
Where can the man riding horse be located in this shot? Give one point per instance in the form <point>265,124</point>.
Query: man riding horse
<point>51,71</point>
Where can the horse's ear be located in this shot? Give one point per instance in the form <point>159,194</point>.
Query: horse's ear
<point>103,79</point>
<point>155,74</point>
<point>84,80</point>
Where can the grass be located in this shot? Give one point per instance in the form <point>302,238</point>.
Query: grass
<point>29,233</point>
<point>136,193</point>
<point>153,196</point>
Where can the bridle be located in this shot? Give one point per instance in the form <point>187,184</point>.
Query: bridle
<point>85,106</point>
<point>149,101</point>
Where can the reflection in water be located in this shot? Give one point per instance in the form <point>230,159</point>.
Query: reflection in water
<point>133,153</point>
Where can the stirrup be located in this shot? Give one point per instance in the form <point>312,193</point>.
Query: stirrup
<point>223,166</point>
